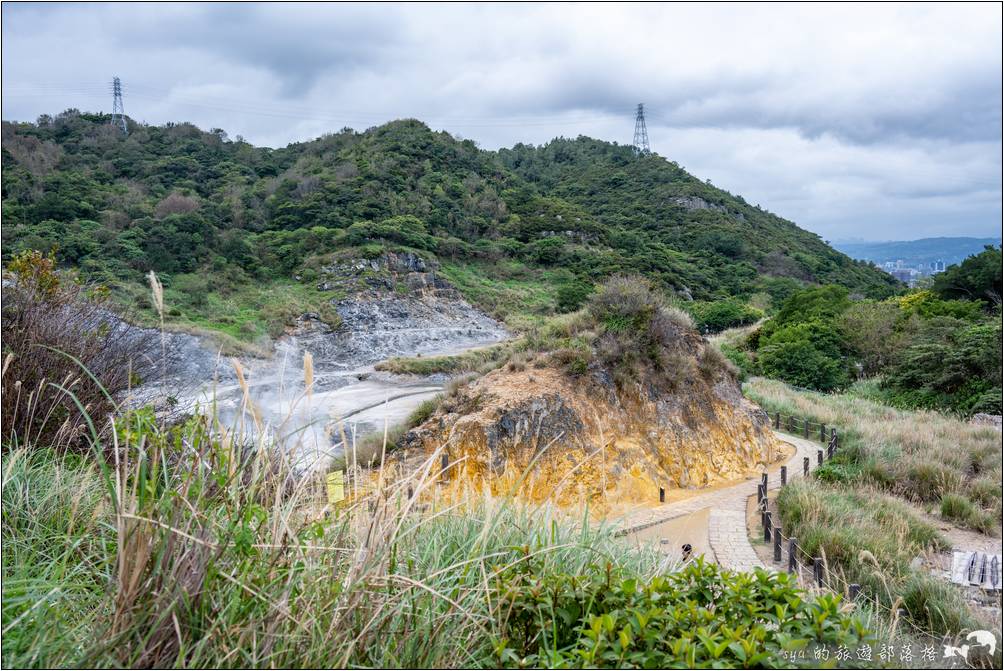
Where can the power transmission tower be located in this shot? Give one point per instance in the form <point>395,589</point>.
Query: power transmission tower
<point>641,132</point>
<point>118,111</point>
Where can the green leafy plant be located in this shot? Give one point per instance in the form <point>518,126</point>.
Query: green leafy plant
<point>700,617</point>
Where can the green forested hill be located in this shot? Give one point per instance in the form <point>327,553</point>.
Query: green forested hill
<point>219,218</point>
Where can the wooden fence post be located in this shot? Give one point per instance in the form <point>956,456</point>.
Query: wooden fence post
<point>792,555</point>
<point>805,465</point>
<point>766,527</point>
<point>662,494</point>
<point>822,433</point>
<point>817,570</point>
<point>777,544</point>
<point>777,420</point>
<point>763,481</point>
<point>760,495</point>
<point>819,457</point>
<point>805,428</point>
<point>784,475</point>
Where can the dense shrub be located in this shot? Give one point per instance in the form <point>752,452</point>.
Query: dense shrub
<point>716,316</point>
<point>700,617</point>
<point>572,295</point>
<point>806,355</point>
<point>63,353</point>
<point>977,278</point>
<point>951,364</point>
<point>639,333</point>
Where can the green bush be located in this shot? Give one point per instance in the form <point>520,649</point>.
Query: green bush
<point>976,278</point>
<point>716,316</point>
<point>740,359</point>
<point>572,295</point>
<point>700,617</point>
<point>960,509</point>
<point>805,354</point>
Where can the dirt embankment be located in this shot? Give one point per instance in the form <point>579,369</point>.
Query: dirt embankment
<point>546,434</point>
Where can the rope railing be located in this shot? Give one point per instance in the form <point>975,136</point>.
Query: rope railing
<point>804,427</point>
<point>786,551</point>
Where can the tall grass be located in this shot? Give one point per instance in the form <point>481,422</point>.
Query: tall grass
<point>921,456</point>
<point>851,511</point>
<point>191,547</point>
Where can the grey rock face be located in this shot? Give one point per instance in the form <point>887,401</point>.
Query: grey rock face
<point>396,305</point>
<point>691,203</point>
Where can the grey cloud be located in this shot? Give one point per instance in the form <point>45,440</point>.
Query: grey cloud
<point>850,118</point>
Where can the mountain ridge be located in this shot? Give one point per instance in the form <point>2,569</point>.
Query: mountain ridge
<point>520,224</point>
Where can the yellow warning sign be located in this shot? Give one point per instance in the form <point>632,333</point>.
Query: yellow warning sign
<point>336,486</point>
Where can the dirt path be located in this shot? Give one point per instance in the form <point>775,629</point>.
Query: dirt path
<point>725,531</point>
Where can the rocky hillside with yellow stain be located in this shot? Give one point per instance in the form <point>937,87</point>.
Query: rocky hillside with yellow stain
<point>638,401</point>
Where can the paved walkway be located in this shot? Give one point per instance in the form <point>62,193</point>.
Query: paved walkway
<point>727,533</point>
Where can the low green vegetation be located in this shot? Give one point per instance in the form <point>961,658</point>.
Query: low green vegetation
<point>717,316</point>
<point>473,360</point>
<point>610,619</point>
<point>921,456</point>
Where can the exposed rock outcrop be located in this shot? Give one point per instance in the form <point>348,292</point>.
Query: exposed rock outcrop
<point>394,305</point>
<point>691,203</point>
<point>548,434</point>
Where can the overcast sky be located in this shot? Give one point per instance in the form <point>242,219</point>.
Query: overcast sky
<point>855,121</point>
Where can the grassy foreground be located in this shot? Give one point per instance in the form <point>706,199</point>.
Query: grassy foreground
<point>193,546</point>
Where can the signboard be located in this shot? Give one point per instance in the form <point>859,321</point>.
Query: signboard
<point>336,486</point>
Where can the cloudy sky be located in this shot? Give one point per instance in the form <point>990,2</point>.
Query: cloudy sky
<point>856,121</point>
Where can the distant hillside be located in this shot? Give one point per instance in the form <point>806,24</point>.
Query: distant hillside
<point>528,229</point>
<point>914,252</point>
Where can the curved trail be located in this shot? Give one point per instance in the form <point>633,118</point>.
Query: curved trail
<point>727,536</point>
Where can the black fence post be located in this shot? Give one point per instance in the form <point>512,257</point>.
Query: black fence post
<point>777,544</point>
<point>792,556</point>
<point>805,428</point>
<point>819,457</point>
<point>777,420</point>
<point>761,494</point>
<point>817,570</point>
<point>822,433</point>
<point>662,494</point>
<point>855,589</point>
<point>805,465</point>
<point>766,527</point>
<point>784,475</point>
<point>763,481</point>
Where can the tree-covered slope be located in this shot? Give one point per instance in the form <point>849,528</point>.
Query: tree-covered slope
<point>213,215</point>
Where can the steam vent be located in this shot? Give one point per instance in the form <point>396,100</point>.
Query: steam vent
<point>539,431</point>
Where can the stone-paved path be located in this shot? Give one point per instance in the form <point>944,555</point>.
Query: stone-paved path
<point>727,520</point>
